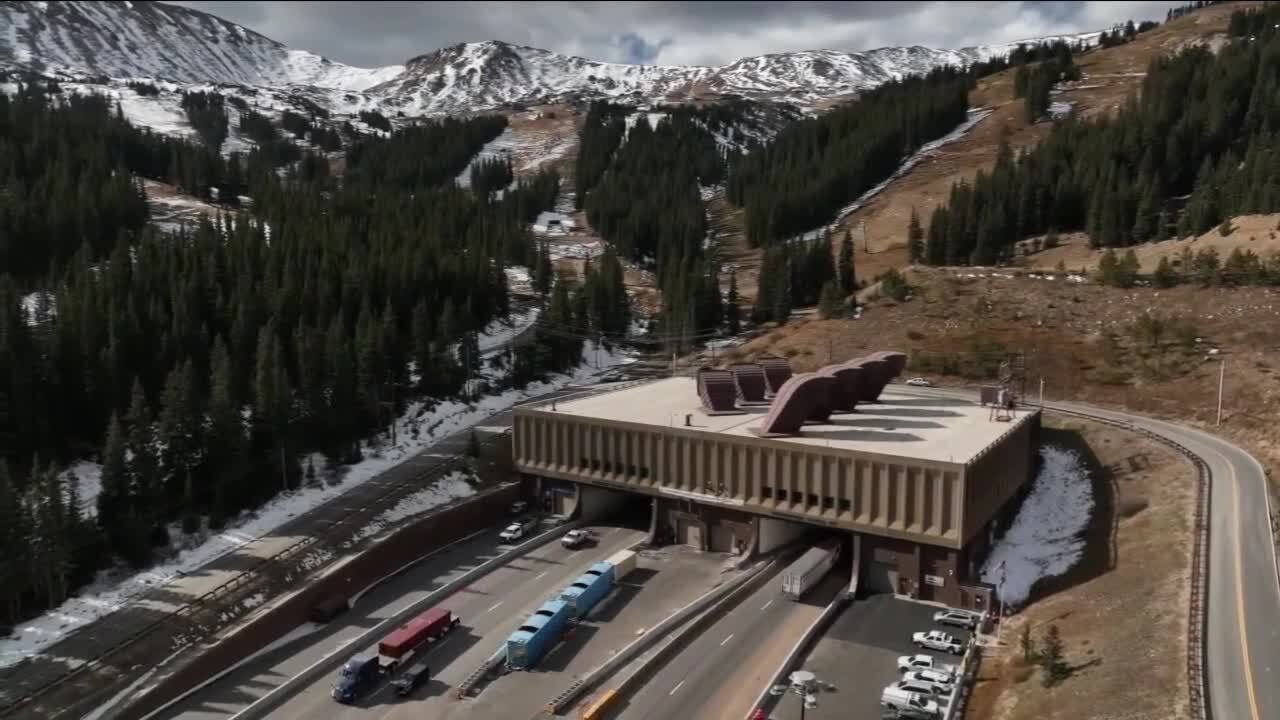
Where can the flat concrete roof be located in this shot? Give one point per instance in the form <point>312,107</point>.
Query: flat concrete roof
<point>930,429</point>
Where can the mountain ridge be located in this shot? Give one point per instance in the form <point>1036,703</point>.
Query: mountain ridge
<point>122,39</point>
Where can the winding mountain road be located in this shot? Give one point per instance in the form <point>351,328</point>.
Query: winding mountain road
<point>1242,631</point>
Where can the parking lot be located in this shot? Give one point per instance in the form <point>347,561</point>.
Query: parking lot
<point>858,656</point>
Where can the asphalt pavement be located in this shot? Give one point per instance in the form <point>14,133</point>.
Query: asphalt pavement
<point>97,683</point>
<point>489,609</point>
<point>1243,629</point>
<point>718,675</point>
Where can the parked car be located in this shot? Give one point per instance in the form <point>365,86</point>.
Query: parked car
<point>919,382</point>
<point>938,640</point>
<point>924,662</point>
<point>924,687</point>
<point>958,618</point>
<point>908,704</point>
<point>577,538</point>
<point>934,676</point>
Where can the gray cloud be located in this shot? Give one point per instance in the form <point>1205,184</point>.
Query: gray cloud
<point>682,33</point>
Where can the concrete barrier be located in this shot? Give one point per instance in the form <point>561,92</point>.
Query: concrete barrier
<point>280,616</point>
<point>654,634</point>
<point>680,637</point>
<point>328,663</point>
<point>764,699</point>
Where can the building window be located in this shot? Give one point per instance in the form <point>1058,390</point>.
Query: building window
<point>828,503</point>
<point>766,491</point>
<point>631,470</point>
<point>845,505</point>
<point>813,500</point>
<point>644,472</point>
<point>584,463</point>
<point>797,497</point>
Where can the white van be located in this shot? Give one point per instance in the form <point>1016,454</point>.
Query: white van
<point>908,704</point>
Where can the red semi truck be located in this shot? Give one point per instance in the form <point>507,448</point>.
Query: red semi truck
<point>404,641</point>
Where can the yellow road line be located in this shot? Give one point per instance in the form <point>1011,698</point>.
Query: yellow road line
<point>1244,635</point>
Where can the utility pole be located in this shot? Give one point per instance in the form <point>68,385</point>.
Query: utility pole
<point>1041,392</point>
<point>866,243</point>
<point>1222,376</point>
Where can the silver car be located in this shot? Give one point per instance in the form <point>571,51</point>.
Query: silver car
<point>957,618</point>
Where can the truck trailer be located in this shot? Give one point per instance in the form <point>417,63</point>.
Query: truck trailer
<point>407,639</point>
<point>810,568</point>
<point>586,591</point>
<point>537,635</point>
<point>623,562</point>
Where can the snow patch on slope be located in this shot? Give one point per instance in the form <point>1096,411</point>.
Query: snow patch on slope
<point>1046,538</point>
<point>416,430</point>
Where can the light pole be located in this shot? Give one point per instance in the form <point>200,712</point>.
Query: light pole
<point>803,683</point>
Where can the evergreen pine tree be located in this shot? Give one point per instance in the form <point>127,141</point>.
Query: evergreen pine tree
<point>845,270</point>
<point>831,304</point>
<point>733,319</point>
<point>1164,277</point>
<point>1053,668</point>
<point>915,239</point>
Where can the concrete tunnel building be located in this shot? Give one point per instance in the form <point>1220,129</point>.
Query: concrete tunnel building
<point>918,484</point>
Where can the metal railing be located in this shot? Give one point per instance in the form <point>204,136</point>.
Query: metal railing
<point>1197,610</point>
<point>208,613</point>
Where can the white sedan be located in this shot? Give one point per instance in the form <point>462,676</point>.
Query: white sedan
<point>576,538</point>
<point>919,382</point>
<point>937,677</point>
<point>938,640</point>
<point>924,662</point>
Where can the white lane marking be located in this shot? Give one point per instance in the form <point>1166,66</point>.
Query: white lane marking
<point>495,606</point>
<point>766,606</point>
<point>541,575</point>
<point>677,687</point>
<point>722,642</point>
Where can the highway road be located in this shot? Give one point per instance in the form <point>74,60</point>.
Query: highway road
<point>1243,629</point>
<point>718,675</point>
<point>35,677</point>
<point>506,595</point>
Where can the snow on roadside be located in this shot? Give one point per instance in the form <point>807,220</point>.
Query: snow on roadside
<point>417,430</point>
<point>1046,538</point>
<point>453,486</point>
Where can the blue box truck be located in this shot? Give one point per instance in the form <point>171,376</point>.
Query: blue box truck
<point>537,635</point>
<point>589,589</point>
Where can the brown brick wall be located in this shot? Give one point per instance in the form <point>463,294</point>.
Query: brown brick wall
<point>404,546</point>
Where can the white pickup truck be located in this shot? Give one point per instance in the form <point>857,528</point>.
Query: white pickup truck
<point>517,531</point>
<point>938,640</point>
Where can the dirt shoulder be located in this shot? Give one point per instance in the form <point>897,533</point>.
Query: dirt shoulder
<point>1122,611</point>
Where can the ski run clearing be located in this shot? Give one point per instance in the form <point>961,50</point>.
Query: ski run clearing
<point>417,430</point>
<point>1046,538</point>
<point>927,150</point>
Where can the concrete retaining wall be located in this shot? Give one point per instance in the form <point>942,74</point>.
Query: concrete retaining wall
<point>775,533</point>
<point>393,552</point>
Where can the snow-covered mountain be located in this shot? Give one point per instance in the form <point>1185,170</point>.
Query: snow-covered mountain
<point>123,39</point>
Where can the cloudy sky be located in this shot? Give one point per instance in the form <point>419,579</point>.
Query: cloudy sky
<point>668,33</point>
